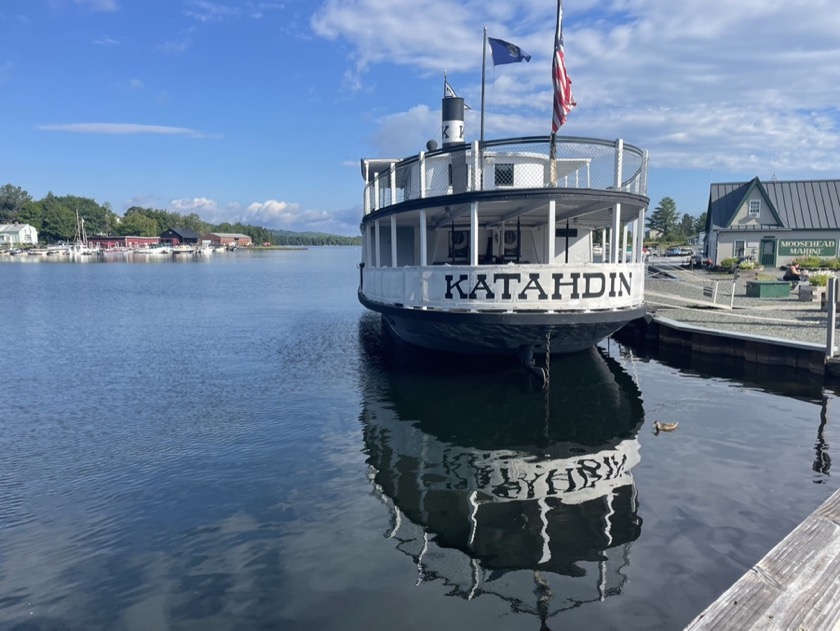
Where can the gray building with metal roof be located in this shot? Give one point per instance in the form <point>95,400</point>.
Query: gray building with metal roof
<point>775,222</point>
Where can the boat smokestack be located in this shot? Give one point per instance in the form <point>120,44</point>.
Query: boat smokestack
<point>452,123</point>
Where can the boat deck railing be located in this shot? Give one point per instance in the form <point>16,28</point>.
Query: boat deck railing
<point>519,163</point>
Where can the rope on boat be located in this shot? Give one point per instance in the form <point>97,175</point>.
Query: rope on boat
<point>547,381</point>
<point>547,357</point>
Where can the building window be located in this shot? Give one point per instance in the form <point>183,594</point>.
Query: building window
<point>755,207</point>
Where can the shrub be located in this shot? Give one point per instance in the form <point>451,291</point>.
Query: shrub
<point>819,279</point>
<point>730,263</point>
<point>809,262</point>
<point>746,265</point>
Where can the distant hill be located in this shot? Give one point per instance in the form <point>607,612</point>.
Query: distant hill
<point>286,237</point>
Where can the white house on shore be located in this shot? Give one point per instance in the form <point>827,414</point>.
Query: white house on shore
<point>14,234</point>
<point>775,222</point>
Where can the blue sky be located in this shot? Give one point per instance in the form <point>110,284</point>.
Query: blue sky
<point>259,111</point>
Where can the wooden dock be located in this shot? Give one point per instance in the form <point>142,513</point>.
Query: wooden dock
<point>796,587</point>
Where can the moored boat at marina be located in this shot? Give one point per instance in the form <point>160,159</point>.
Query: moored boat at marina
<point>488,248</point>
<point>153,250</point>
<point>45,251</point>
<point>80,249</point>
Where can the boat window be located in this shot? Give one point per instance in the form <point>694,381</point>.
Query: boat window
<point>511,252</point>
<point>459,245</point>
<point>504,174</point>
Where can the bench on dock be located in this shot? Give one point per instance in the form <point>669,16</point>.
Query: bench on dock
<point>768,288</point>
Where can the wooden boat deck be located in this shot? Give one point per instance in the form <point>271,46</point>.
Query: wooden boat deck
<point>796,586</point>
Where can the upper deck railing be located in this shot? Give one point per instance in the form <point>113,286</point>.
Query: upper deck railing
<point>517,163</point>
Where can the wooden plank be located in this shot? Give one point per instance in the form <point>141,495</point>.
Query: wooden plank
<point>796,586</point>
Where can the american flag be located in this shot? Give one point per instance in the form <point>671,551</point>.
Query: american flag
<point>564,101</point>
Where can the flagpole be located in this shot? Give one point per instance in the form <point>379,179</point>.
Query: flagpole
<point>483,66</point>
<point>552,147</point>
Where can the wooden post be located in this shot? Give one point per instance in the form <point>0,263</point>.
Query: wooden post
<point>832,317</point>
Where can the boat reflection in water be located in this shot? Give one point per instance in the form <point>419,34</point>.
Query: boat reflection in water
<point>497,487</point>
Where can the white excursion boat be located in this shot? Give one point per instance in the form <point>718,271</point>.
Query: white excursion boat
<point>488,247</point>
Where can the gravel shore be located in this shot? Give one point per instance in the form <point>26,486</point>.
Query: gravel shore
<point>677,294</point>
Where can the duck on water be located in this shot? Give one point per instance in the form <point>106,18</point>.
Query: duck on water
<point>488,247</point>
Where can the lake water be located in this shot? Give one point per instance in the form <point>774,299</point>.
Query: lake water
<point>232,443</point>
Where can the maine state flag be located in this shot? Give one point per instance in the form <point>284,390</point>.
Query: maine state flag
<point>506,53</point>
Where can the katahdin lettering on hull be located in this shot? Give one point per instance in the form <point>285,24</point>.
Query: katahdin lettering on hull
<point>594,284</point>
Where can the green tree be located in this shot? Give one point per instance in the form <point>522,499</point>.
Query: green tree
<point>664,218</point>
<point>138,225</point>
<point>160,218</point>
<point>32,214</point>
<point>686,226</point>
<point>700,223</point>
<point>59,221</point>
<point>98,219</point>
<point>13,199</point>
<point>194,222</point>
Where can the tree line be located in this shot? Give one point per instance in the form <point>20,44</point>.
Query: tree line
<point>55,219</point>
<point>671,227</point>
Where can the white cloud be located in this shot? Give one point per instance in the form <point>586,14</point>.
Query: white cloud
<point>700,84</point>
<point>6,71</point>
<point>98,5</point>
<point>193,205</point>
<point>106,41</point>
<point>174,47</point>
<point>123,129</point>
<point>272,214</point>
<point>290,216</point>
<point>406,133</point>
<point>207,11</point>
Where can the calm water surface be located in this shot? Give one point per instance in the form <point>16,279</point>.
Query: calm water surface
<point>233,444</point>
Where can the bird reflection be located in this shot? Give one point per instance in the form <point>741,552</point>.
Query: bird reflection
<point>488,479</point>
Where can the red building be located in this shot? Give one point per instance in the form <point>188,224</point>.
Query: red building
<point>106,243</point>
